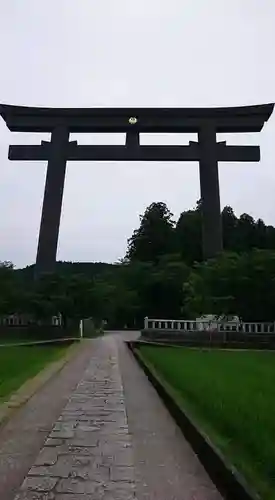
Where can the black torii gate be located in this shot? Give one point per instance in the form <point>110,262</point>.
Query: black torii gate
<point>207,122</point>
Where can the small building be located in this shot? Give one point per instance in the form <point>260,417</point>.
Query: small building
<point>212,322</point>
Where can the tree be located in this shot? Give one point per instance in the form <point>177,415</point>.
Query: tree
<point>126,303</point>
<point>164,293</point>
<point>7,288</point>
<point>246,233</point>
<point>189,235</point>
<point>229,229</point>
<point>155,236</point>
<point>234,284</point>
<point>71,296</point>
<point>270,237</point>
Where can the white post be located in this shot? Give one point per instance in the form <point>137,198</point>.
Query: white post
<point>172,325</point>
<point>178,325</point>
<point>146,322</point>
<point>154,325</point>
<point>81,329</point>
<point>166,325</point>
<point>159,325</point>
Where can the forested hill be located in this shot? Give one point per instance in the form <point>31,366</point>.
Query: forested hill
<point>89,269</point>
<point>162,275</point>
<point>159,235</point>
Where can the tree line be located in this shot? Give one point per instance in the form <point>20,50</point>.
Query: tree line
<point>158,234</point>
<point>162,275</point>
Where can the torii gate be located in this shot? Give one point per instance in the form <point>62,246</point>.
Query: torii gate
<point>207,122</point>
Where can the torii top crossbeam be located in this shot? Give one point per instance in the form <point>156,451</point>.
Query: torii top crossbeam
<point>187,120</point>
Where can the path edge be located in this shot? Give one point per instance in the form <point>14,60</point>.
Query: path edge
<point>22,395</point>
<point>226,478</point>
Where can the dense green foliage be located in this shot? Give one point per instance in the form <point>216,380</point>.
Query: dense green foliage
<point>159,235</point>
<point>17,364</point>
<point>231,396</point>
<point>155,236</point>
<point>162,275</point>
<point>242,284</point>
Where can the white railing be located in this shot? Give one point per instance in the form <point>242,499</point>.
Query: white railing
<point>212,325</point>
<point>27,320</point>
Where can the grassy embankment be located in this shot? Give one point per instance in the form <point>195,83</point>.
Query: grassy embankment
<point>18,364</point>
<point>231,395</point>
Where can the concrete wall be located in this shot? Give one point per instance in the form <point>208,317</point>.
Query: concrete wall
<point>208,338</point>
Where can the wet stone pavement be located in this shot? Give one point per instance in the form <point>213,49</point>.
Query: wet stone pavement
<point>88,454</point>
<point>115,440</point>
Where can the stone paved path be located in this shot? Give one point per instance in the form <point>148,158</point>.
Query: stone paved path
<point>114,440</point>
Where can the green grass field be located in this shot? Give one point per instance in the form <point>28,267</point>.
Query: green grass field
<point>231,395</point>
<point>17,364</point>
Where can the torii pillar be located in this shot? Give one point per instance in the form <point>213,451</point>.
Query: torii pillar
<point>52,202</point>
<point>212,240</point>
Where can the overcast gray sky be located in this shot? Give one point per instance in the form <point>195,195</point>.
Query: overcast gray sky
<point>130,53</point>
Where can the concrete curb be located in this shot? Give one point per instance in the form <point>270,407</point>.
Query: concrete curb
<point>31,386</point>
<point>226,478</point>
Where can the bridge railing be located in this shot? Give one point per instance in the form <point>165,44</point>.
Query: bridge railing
<point>212,325</point>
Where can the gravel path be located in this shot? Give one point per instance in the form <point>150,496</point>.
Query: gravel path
<point>113,440</point>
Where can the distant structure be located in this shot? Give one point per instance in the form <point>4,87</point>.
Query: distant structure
<point>213,322</point>
<point>207,151</point>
